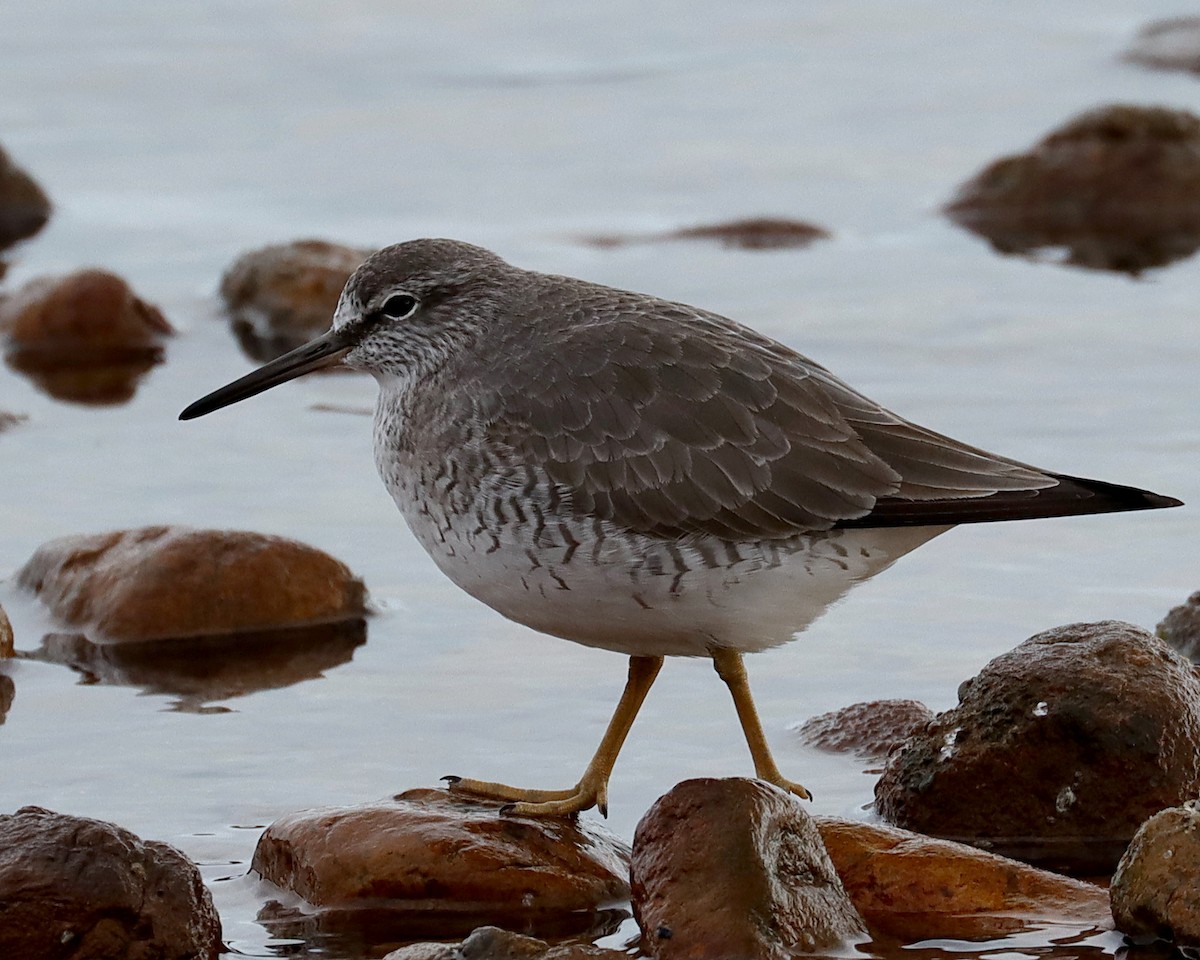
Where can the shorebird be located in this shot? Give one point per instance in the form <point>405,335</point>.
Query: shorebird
<point>641,475</point>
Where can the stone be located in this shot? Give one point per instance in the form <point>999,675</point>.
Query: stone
<point>426,864</point>
<point>735,868</point>
<point>6,635</point>
<point>1171,44</point>
<point>282,296</point>
<point>1117,188</point>
<point>77,888</point>
<point>1156,889</point>
<point>24,207</point>
<point>492,943</point>
<point>868,730</point>
<point>1180,628</point>
<point>1042,761</point>
<point>913,887</point>
<point>155,583</point>
<point>757,233</point>
<point>10,420</point>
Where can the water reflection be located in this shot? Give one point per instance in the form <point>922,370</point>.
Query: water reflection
<point>101,378</point>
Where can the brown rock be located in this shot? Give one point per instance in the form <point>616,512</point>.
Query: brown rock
<point>1180,628</point>
<point>24,207</point>
<point>1155,889</point>
<point>6,635</point>
<point>492,943</point>
<point>78,888</point>
<point>1172,44</point>
<point>869,730</point>
<point>85,338</point>
<point>1118,188</point>
<point>912,887</point>
<point>1057,751</point>
<point>160,582</point>
<point>427,864</point>
<point>735,868</point>
<point>282,296</point>
<point>758,233</point>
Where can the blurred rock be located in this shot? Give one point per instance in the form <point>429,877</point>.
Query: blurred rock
<point>6,635</point>
<point>155,583</point>
<point>24,206</point>
<point>735,868</point>
<point>10,420</point>
<point>1181,628</point>
<point>868,730</point>
<point>84,338</point>
<point>429,865</point>
<point>1118,188</point>
<point>201,670</point>
<point>492,943</point>
<point>78,888</point>
<point>282,296</point>
<point>1156,889</point>
<point>1057,750</point>
<point>1172,44</point>
<point>914,887</point>
<point>8,693</point>
<point>761,233</point>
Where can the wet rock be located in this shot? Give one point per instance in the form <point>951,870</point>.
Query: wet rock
<point>24,207</point>
<point>868,730</point>
<point>6,635</point>
<point>1180,628</point>
<point>492,943</point>
<point>1155,889</point>
<point>1057,750</point>
<point>735,868</point>
<point>155,583</point>
<point>426,864</point>
<point>84,338</point>
<point>914,887</point>
<point>282,296</point>
<point>1172,44</point>
<point>78,888</point>
<point>759,233</point>
<point>1117,188</point>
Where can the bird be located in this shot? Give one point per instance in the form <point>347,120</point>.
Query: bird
<point>640,475</point>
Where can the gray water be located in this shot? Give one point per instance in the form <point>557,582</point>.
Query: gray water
<point>174,137</point>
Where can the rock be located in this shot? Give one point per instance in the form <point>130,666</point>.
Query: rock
<point>78,888</point>
<point>1180,628</point>
<point>10,420</point>
<point>869,730</point>
<point>1044,760</point>
<point>426,864</point>
<point>282,296</point>
<point>24,207</point>
<point>155,583</point>
<point>492,943</point>
<point>6,635</point>
<point>1154,891</point>
<point>1172,44</point>
<point>913,887</point>
<point>1118,188</point>
<point>760,233</point>
<point>83,338</point>
<point>735,868</point>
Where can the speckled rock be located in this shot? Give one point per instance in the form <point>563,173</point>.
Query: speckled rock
<point>24,207</point>
<point>869,730</point>
<point>1172,44</point>
<point>429,865</point>
<point>1180,628</point>
<point>914,887</point>
<point>1043,760</point>
<point>159,582</point>
<point>78,889</point>
<point>735,868</point>
<point>492,943</point>
<point>756,233</point>
<point>1117,188</point>
<point>1156,889</point>
<point>282,296</point>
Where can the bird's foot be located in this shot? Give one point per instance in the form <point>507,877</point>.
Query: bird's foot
<point>790,786</point>
<point>589,792</point>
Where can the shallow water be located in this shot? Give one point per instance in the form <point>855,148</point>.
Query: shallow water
<point>173,138</point>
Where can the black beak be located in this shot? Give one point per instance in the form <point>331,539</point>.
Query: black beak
<point>325,351</point>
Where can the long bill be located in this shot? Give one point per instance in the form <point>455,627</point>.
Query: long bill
<point>325,351</point>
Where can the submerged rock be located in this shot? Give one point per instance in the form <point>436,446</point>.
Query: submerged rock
<point>735,868</point>
<point>1156,889</point>
<point>155,583</point>
<point>282,296</point>
<point>78,888</point>
<point>868,730</point>
<point>1118,188</point>
<point>1172,44</point>
<point>758,233</point>
<point>1057,750</point>
<point>427,864</point>
<point>24,207</point>
<point>1181,628</point>
<point>492,943</point>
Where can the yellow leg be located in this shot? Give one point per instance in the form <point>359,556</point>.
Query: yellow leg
<point>592,788</point>
<point>731,669</point>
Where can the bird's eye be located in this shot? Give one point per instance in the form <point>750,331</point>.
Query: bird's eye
<point>398,306</point>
